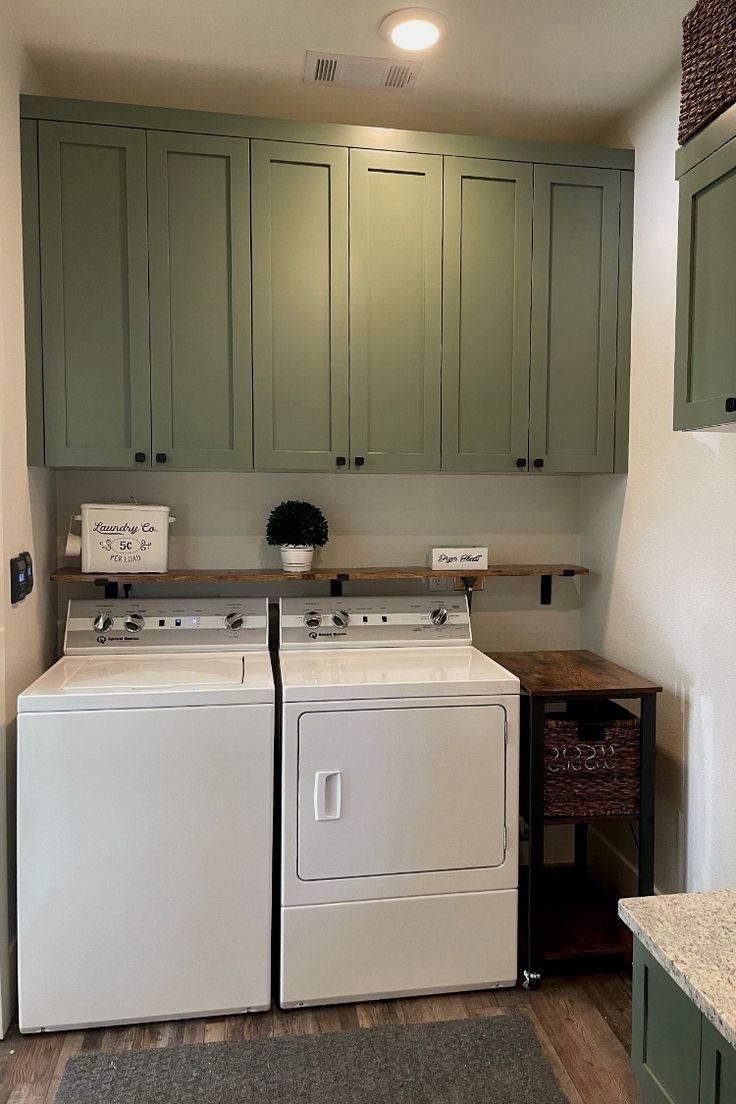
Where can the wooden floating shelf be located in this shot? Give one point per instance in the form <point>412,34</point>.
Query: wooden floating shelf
<point>335,576</point>
<point>318,574</point>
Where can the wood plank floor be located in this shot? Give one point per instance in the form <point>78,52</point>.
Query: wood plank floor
<point>582,1023</point>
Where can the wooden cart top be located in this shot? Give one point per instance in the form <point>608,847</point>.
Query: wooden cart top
<point>573,674</point>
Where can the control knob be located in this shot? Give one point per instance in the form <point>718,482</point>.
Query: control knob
<point>102,622</point>
<point>234,621</point>
<point>439,617</point>
<point>133,622</point>
<point>312,619</point>
<point>341,619</point>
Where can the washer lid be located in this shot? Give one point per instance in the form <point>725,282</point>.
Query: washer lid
<point>356,674</point>
<point>149,681</point>
<point>156,673</point>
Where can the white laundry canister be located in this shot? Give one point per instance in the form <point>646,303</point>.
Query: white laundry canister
<point>121,537</point>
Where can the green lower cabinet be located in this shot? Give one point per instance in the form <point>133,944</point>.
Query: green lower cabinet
<point>717,1068</point>
<point>575,280</point>
<point>395,310</point>
<point>677,1055</point>
<point>199,243</point>
<point>705,336</point>
<point>299,203</point>
<point>94,295</point>
<point>487,303</point>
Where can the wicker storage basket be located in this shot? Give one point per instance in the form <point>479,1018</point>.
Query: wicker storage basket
<point>592,759</point>
<point>708,64</point>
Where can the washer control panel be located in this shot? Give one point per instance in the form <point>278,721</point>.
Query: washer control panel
<point>166,625</point>
<point>373,622</point>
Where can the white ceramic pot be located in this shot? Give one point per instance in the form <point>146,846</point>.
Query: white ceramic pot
<point>297,558</point>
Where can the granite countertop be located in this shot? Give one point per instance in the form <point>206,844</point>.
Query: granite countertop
<point>693,937</point>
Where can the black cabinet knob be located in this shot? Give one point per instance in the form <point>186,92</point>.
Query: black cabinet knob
<point>539,463</point>
<point>160,457</point>
<point>730,405</point>
<point>521,462</point>
<point>359,461</point>
<point>140,458</point>
<point>341,461</point>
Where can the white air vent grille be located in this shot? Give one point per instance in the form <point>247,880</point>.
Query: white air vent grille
<point>325,70</point>
<point>348,71</point>
<point>399,76</point>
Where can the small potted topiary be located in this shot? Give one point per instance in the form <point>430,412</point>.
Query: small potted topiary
<point>298,528</point>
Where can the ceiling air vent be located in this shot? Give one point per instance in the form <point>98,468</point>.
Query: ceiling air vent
<point>348,71</point>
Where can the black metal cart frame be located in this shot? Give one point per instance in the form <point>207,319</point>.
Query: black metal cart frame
<point>533,713</point>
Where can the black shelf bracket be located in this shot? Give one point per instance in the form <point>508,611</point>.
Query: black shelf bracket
<point>336,585</point>
<point>545,586</point>
<point>111,588</point>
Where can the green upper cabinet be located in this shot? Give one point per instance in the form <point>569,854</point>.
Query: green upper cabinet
<point>575,323</point>
<point>94,295</point>
<point>705,346</point>
<point>395,310</point>
<point>218,293</point>
<point>199,244</point>
<point>487,303</point>
<point>299,204</point>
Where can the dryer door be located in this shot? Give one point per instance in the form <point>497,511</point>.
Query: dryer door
<point>392,791</point>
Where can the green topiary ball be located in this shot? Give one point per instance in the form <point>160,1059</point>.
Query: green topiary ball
<point>295,522</point>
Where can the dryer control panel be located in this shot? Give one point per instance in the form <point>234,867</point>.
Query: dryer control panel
<point>374,622</point>
<point>165,625</point>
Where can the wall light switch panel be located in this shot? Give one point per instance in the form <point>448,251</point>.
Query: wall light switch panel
<point>21,577</point>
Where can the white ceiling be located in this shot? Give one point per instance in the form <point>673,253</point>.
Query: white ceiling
<point>554,69</point>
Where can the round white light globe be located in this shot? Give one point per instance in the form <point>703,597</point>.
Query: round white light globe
<point>414,29</point>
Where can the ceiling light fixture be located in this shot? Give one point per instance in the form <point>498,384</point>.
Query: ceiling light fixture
<point>414,29</point>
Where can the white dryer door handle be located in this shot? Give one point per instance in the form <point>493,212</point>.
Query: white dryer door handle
<point>327,795</point>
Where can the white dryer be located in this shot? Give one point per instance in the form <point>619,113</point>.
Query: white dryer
<point>400,744</point>
<point>145,765</point>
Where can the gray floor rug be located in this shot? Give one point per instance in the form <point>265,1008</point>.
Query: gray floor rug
<point>494,1060</point>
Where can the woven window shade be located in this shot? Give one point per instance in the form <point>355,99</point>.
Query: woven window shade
<point>708,64</point>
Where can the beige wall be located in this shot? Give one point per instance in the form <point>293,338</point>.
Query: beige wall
<point>662,544</point>
<point>26,497</point>
<point>377,520</point>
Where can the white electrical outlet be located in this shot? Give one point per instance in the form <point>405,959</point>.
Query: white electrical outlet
<point>439,583</point>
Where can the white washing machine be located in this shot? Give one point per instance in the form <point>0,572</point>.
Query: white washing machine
<point>399,802</point>
<point>145,815</point>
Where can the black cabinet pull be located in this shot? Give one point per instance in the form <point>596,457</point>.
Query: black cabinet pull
<point>140,457</point>
<point>521,462</point>
<point>730,405</point>
<point>160,457</point>
<point>341,461</point>
<point>359,461</point>
<point>539,463</point>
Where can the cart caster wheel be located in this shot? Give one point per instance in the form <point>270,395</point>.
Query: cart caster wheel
<point>531,980</point>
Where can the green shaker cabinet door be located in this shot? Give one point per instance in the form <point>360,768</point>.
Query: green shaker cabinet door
<point>199,239</point>
<point>94,295</point>
<point>299,202</point>
<point>574,319</point>
<point>717,1068</point>
<point>665,1035</point>
<point>395,310</point>
<point>487,302</point>
<point>705,340</point>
